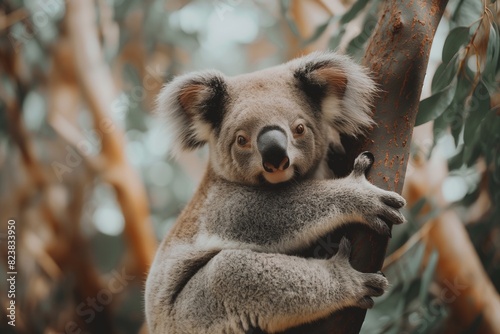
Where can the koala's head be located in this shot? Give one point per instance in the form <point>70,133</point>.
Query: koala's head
<point>272,125</point>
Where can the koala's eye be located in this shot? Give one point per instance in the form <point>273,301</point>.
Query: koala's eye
<point>241,140</point>
<point>299,129</point>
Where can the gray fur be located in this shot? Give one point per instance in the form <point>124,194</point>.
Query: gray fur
<point>226,266</point>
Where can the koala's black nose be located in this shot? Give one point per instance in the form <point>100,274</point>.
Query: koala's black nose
<point>272,145</point>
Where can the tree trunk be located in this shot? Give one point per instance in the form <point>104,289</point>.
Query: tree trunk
<point>397,55</point>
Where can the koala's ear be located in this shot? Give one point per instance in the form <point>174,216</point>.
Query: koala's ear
<point>339,88</point>
<point>194,107</point>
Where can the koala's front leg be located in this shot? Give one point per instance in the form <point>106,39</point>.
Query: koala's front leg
<point>242,289</point>
<point>285,219</point>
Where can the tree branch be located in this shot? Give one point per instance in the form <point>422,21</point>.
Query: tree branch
<point>99,90</point>
<point>397,55</point>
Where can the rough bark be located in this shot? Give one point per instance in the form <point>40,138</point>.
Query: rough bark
<point>397,54</point>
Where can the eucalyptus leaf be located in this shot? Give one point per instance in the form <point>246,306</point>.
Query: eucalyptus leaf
<point>485,136</point>
<point>357,43</point>
<point>433,106</point>
<point>479,106</point>
<point>3,120</point>
<point>471,154</point>
<point>489,127</point>
<point>456,161</point>
<point>388,311</point>
<point>455,40</point>
<point>412,262</point>
<point>417,207</point>
<point>353,11</point>
<point>467,12</point>
<point>439,128</point>
<point>335,40</point>
<point>470,197</point>
<point>431,319</point>
<point>492,58</point>
<point>444,74</point>
<point>317,33</point>
<point>427,276</point>
<point>457,126</point>
<point>285,12</point>
<point>412,290</point>
<point>463,91</point>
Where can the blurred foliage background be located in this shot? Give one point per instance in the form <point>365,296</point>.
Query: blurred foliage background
<point>84,169</point>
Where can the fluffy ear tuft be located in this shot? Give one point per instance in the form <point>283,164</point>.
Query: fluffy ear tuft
<point>339,88</point>
<point>194,107</point>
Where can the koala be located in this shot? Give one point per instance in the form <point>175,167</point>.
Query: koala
<point>228,264</point>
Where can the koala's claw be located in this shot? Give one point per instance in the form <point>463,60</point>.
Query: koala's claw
<point>394,200</point>
<point>363,163</point>
<point>375,291</point>
<point>374,285</point>
<point>366,302</point>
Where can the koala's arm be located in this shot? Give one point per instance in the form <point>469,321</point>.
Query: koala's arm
<point>246,283</point>
<point>286,219</point>
<point>242,289</point>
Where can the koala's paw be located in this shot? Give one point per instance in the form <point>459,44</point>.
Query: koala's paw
<point>372,285</point>
<point>360,287</point>
<point>377,206</point>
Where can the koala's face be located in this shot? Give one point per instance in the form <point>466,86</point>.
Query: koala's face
<point>270,133</point>
<point>273,125</point>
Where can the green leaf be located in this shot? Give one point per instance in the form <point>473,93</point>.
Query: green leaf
<point>353,11</point>
<point>412,263</point>
<point>456,161</point>
<point>335,40</point>
<point>412,290</point>
<point>456,128</point>
<point>463,91</point>
<point>427,276</point>
<point>454,118</point>
<point>346,18</point>
<point>455,40</point>
<point>417,207</point>
<point>285,6</point>
<point>492,58</point>
<point>317,33</point>
<point>444,74</point>
<point>486,132</point>
<point>439,128</point>
<point>479,106</point>
<point>489,136</point>
<point>370,21</point>
<point>387,312</point>
<point>471,154</point>
<point>467,12</point>
<point>433,106</point>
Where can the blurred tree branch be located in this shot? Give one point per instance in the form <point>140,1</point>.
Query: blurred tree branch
<point>99,90</point>
<point>460,273</point>
<point>465,286</point>
<point>69,240</point>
